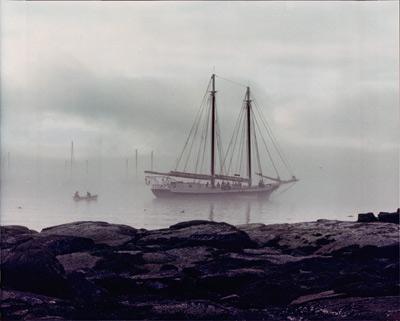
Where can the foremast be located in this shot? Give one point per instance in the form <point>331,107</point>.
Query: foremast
<point>248,107</point>
<point>213,131</point>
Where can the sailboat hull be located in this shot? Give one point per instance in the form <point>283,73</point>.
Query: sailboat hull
<point>186,189</point>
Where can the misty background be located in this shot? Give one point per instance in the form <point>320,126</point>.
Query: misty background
<point>116,77</point>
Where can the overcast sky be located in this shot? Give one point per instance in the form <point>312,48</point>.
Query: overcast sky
<point>116,76</point>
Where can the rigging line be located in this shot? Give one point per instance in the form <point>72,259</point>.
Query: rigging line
<point>268,151</point>
<point>274,141</point>
<point>217,137</point>
<point>242,144</point>
<point>255,143</point>
<point>235,135</point>
<point>235,144</point>
<point>284,190</point>
<point>193,139</point>
<point>233,140</point>
<point>206,127</point>
<point>219,145</point>
<point>195,124</point>
<point>203,140</point>
<point>277,146</point>
<point>206,130</point>
<point>191,130</point>
<point>231,81</point>
<point>204,136</point>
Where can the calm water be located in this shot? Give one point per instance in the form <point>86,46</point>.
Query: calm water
<point>46,203</point>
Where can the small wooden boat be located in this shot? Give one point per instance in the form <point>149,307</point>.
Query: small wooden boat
<point>85,198</point>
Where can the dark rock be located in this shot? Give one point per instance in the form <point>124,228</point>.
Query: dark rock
<point>78,261</point>
<point>367,217</point>
<point>389,217</point>
<point>202,270</point>
<point>16,305</point>
<point>31,267</point>
<point>317,297</point>
<point>198,233</point>
<point>99,232</point>
<point>168,267</point>
<point>120,262</point>
<point>64,244</point>
<point>116,284</point>
<point>12,235</point>
<point>336,235</point>
<point>82,289</point>
<point>376,308</point>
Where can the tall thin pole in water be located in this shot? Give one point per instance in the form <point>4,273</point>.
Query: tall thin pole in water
<point>72,160</point>
<point>72,154</point>
<point>136,161</point>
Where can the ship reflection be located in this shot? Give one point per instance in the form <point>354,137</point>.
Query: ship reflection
<point>237,210</point>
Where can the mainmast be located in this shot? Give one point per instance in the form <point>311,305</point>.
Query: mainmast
<point>248,105</point>
<point>213,132</point>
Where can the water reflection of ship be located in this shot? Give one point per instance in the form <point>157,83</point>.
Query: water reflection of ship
<point>237,168</point>
<point>218,209</point>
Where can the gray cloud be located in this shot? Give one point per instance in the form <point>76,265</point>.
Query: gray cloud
<point>116,76</point>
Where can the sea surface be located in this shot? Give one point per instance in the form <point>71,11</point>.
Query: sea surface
<point>47,203</point>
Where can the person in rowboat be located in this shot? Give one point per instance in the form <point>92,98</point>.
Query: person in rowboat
<point>88,194</point>
<point>76,194</point>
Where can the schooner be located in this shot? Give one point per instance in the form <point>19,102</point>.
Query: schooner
<point>204,169</point>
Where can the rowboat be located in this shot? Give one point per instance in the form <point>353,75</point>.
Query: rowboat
<point>85,198</point>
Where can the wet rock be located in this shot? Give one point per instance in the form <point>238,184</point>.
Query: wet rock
<point>119,262</point>
<point>335,235</point>
<point>192,310</point>
<point>78,261</point>
<point>84,290</point>
<point>64,244</point>
<point>33,268</point>
<point>198,233</point>
<point>202,270</point>
<point>17,305</point>
<point>12,235</point>
<point>317,296</point>
<point>99,232</point>
<point>377,308</point>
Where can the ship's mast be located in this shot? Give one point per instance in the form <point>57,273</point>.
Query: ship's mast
<point>213,131</point>
<point>248,105</point>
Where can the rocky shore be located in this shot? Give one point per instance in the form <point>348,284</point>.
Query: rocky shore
<point>202,270</point>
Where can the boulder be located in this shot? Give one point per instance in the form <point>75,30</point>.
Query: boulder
<point>12,235</point>
<point>198,233</point>
<point>322,237</point>
<point>64,244</point>
<point>33,268</point>
<point>367,217</point>
<point>99,232</point>
<point>389,217</point>
<point>78,261</point>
